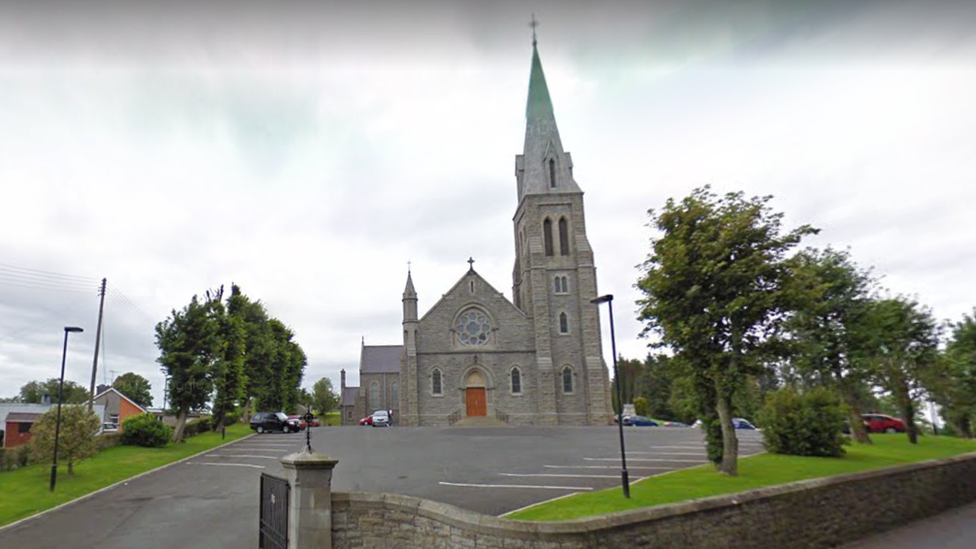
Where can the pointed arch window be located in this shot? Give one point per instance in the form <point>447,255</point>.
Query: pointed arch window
<point>547,235</point>
<point>394,395</point>
<point>563,236</point>
<point>436,384</point>
<point>563,323</point>
<point>561,284</point>
<point>552,173</point>
<point>567,380</point>
<point>516,381</point>
<point>374,394</point>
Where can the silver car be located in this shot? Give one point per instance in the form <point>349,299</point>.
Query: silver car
<point>381,418</point>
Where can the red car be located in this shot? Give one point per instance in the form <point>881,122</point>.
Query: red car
<point>881,423</point>
<point>300,419</point>
<point>368,420</point>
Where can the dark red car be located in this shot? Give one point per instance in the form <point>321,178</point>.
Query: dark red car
<point>300,419</point>
<point>881,423</point>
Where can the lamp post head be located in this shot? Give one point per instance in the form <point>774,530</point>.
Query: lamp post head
<point>73,329</point>
<point>602,299</point>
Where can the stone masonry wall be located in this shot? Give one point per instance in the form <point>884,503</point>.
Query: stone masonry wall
<point>814,514</point>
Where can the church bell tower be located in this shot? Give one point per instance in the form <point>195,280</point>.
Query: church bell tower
<point>554,277</point>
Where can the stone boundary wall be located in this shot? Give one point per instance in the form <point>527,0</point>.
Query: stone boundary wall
<point>811,514</point>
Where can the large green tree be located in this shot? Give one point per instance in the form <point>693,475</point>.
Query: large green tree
<point>716,287</point>
<point>228,374</point>
<point>34,392</point>
<point>907,338</point>
<point>953,383</point>
<point>189,344</point>
<point>831,335</point>
<point>76,438</point>
<point>135,387</point>
<point>324,396</point>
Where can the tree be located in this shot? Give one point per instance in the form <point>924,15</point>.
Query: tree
<point>189,343</point>
<point>654,383</point>
<point>830,338</point>
<point>76,439</point>
<point>34,392</point>
<point>716,288</point>
<point>228,373</point>
<point>136,387</point>
<point>324,396</point>
<point>907,337</point>
<point>953,383</point>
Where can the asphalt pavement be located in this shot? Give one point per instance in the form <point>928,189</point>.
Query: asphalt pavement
<point>955,529</point>
<point>211,500</point>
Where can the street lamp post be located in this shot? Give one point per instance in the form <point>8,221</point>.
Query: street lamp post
<point>57,425</point>
<point>624,476</point>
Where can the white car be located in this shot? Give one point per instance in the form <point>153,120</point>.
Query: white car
<point>381,418</point>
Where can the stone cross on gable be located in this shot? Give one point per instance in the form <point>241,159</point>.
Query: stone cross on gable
<point>471,263</point>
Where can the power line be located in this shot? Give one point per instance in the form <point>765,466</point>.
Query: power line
<point>45,274</point>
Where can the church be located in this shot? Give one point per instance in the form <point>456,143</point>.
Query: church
<point>475,355</point>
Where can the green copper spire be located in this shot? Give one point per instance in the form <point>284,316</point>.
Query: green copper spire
<point>543,167</point>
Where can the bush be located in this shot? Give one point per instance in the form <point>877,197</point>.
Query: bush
<point>145,430</point>
<point>108,440</point>
<point>230,418</point>
<point>196,426</point>
<point>803,424</point>
<point>640,406</point>
<point>23,455</point>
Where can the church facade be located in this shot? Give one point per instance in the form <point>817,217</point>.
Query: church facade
<point>537,359</point>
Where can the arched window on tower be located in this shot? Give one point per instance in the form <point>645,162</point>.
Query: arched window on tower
<point>567,380</point>
<point>563,323</point>
<point>516,381</point>
<point>563,236</point>
<point>435,382</point>
<point>547,235</point>
<point>552,173</point>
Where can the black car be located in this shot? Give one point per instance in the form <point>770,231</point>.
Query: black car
<point>267,422</point>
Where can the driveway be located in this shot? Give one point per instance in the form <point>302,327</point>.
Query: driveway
<point>211,501</point>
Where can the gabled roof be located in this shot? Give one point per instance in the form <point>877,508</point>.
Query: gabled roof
<point>22,417</point>
<point>349,395</point>
<point>380,359</point>
<point>490,290</point>
<point>114,390</point>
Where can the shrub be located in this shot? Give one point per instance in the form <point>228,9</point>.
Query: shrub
<point>108,440</point>
<point>23,455</point>
<point>640,406</point>
<point>803,424</point>
<point>76,437</point>
<point>196,426</point>
<point>145,430</point>
<point>3,460</point>
<point>230,418</point>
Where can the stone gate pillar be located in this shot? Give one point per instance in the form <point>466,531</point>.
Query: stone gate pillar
<point>309,475</point>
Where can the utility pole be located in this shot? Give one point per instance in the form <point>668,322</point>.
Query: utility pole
<point>98,338</point>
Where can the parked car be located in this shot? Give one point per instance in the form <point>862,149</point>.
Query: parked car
<point>739,423</point>
<point>267,422</point>
<point>381,418</point>
<point>368,420</point>
<point>675,424</point>
<point>881,423</point>
<point>301,421</point>
<point>315,422</point>
<point>639,421</point>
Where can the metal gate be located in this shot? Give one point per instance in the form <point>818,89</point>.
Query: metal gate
<point>273,529</point>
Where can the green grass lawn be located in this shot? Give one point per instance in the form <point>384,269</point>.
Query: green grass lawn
<point>24,492</point>
<point>754,472</point>
<point>331,419</point>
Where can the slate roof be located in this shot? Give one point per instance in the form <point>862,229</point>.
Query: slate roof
<point>22,417</point>
<point>380,359</point>
<point>6,409</point>
<point>349,395</point>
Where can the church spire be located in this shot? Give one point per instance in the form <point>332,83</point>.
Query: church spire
<point>409,300</point>
<point>543,167</point>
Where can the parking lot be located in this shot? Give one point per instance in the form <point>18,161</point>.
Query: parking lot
<point>492,470</point>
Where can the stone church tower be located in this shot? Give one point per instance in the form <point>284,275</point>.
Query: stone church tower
<point>539,359</point>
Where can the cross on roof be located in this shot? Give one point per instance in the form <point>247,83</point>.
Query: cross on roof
<point>471,263</point>
<point>534,23</point>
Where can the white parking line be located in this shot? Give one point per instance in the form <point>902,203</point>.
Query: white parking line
<point>651,459</point>
<point>664,453</point>
<point>566,475</point>
<point>225,464</point>
<point>241,456</point>
<point>529,486</point>
<point>606,467</point>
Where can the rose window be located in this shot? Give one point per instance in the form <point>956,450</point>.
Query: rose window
<point>473,328</point>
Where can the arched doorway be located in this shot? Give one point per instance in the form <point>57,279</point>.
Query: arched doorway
<point>475,394</point>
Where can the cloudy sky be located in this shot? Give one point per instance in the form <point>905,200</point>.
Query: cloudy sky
<point>308,151</point>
